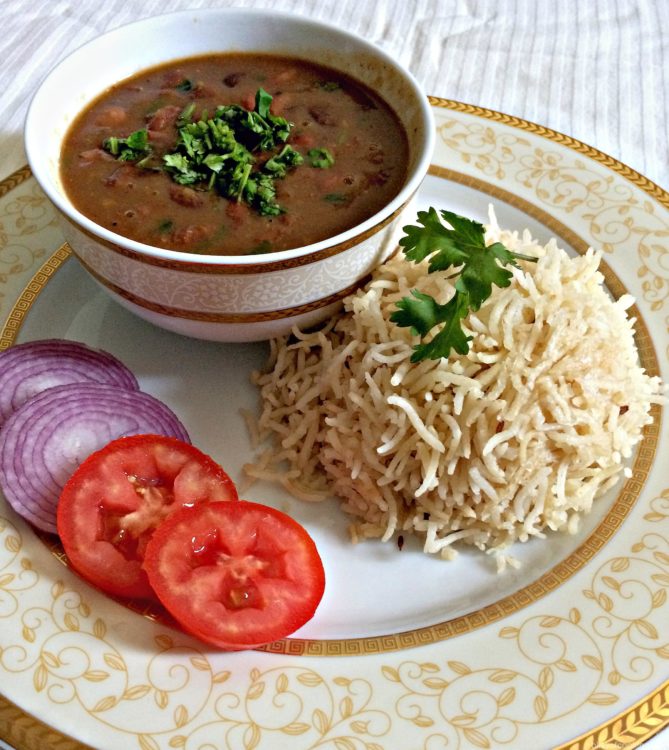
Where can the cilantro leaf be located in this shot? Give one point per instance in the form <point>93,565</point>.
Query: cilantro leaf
<point>451,335</point>
<point>260,192</point>
<point>423,313</point>
<point>132,148</point>
<point>460,245</point>
<point>320,158</point>
<point>338,199</point>
<point>420,312</point>
<point>482,270</point>
<point>286,159</point>
<point>181,170</point>
<point>431,236</point>
<point>263,102</point>
<point>186,115</point>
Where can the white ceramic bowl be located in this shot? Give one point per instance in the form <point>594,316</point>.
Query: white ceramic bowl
<point>224,298</point>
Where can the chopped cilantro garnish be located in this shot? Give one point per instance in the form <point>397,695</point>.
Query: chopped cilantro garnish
<point>179,167</point>
<point>186,115</point>
<point>321,158</point>
<point>336,198</point>
<point>279,165</point>
<point>263,102</point>
<point>257,129</point>
<point>260,192</point>
<point>461,245</point>
<point>227,152</point>
<point>185,85</point>
<point>132,148</point>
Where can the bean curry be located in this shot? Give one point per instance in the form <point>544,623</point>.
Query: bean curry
<point>234,154</point>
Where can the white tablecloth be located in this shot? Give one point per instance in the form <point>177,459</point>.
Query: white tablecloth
<point>597,70</point>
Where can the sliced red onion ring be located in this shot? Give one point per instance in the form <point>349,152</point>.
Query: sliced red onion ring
<point>29,368</point>
<point>45,440</point>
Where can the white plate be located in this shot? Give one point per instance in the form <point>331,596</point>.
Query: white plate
<point>405,651</point>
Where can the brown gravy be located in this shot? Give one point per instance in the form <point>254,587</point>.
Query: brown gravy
<point>327,110</point>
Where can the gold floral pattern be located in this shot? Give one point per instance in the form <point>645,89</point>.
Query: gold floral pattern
<point>23,221</point>
<point>481,146</point>
<point>617,217</point>
<point>65,648</point>
<point>562,662</point>
<point>298,703</point>
<point>566,660</point>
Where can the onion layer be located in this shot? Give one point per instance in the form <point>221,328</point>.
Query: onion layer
<point>32,367</point>
<point>45,440</point>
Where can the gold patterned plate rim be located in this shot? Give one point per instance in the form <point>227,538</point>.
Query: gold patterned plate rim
<point>621,507</point>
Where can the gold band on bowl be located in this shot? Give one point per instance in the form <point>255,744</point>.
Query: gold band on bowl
<point>237,269</point>
<point>221,317</point>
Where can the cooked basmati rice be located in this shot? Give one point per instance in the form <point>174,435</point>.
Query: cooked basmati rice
<point>517,437</point>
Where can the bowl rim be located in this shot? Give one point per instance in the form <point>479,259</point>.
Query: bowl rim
<point>369,225</point>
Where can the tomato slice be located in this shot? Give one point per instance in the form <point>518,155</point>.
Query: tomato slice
<point>235,575</point>
<point>113,502</point>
